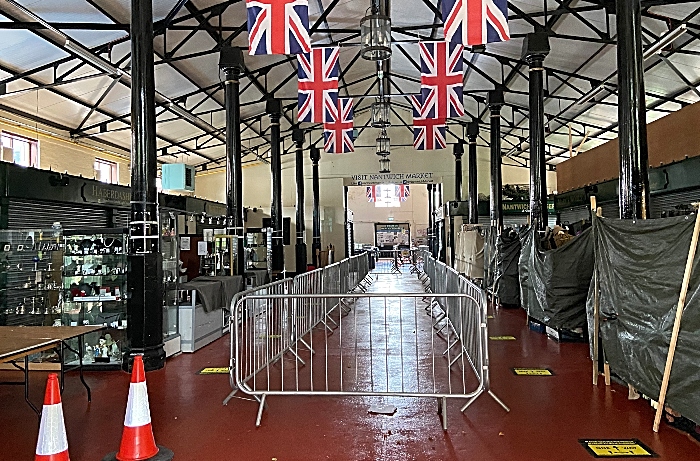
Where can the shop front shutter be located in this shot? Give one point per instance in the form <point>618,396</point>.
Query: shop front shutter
<point>30,214</point>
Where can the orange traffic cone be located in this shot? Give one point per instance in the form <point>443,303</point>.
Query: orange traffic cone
<point>52,444</point>
<point>138,442</point>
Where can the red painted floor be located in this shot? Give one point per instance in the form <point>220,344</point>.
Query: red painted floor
<point>548,414</point>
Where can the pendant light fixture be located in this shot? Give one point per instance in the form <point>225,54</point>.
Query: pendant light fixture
<point>384,164</point>
<point>375,35</point>
<point>383,144</point>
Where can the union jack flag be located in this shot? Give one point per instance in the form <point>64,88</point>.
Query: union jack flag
<point>441,79</point>
<point>318,73</point>
<point>278,26</point>
<point>402,192</point>
<point>338,133</point>
<point>428,133</point>
<point>475,22</point>
<point>371,193</point>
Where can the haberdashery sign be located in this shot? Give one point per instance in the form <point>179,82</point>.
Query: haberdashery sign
<point>369,179</point>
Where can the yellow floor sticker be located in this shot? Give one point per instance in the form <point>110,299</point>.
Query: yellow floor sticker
<point>533,372</point>
<point>617,448</point>
<point>502,338</point>
<point>213,371</point>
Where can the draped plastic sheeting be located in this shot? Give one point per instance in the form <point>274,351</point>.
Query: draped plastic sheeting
<point>506,278</point>
<point>469,254</point>
<point>640,269</point>
<point>555,283</point>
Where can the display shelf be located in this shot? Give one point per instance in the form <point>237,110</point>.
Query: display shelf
<point>96,298</point>
<point>30,278</point>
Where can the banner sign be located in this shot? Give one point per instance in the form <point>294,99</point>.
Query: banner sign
<point>391,178</point>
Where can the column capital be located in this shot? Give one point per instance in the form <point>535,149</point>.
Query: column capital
<point>231,59</point>
<point>458,149</point>
<point>298,136</point>
<point>315,154</point>
<point>495,99</point>
<point>535,48</point>
<point>473,131</point>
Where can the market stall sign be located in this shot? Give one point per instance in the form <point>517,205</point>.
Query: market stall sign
<point>213,371</point>
<point>611,448</point>
<point>533,372</point>
<point>502,338</point>
<point>105,194</point>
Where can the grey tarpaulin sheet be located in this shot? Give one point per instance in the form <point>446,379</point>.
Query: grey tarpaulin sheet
<point>640,270</point>
<point>555,283</point>
<point>208,292</point>
<point>507,281</point>
<point>229,285</point>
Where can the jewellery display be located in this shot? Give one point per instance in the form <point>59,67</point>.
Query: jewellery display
<point>30,284</point>
<point>94,279</point>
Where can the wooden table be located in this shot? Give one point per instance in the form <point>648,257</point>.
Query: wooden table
<point>17,343</point>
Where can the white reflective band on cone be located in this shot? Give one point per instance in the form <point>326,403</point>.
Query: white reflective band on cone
<point>52,431</point>
<point>137,411</point>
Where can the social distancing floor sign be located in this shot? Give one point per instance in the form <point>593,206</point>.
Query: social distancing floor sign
<point>610,448</point>
<point>502,338</point>
<point>533,372</point>
<point>213,371</point>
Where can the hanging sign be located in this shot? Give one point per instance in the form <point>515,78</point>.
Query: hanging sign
<point>422,177</point>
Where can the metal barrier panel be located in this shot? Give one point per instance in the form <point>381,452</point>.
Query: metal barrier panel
<point>254,310</point>
<point>385,347</point>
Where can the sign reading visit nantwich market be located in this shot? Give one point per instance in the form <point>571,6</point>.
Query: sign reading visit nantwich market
<point>391,178</point>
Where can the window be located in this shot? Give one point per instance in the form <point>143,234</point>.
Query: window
<point>20,150</point>
<point>387,197</point>
<point>106,171</point>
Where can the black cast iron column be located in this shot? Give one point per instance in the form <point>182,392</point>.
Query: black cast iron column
<point>231,62</point>
<point>472,134</point>
<point>631,109</point>
<point>430,218</point>
<point>495,102</point>
<point>316,242</point>
<point>458,152</point>
<point>300,248</point>
<point>144,308</point>
<point>535,49</point>
<point>274,110</point>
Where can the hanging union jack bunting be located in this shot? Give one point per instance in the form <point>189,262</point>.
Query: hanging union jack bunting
<point>338,134</point>
<point>278,26</point>
<point>441,79</point>
<point>402,192</point>
<point>475,22</point>
<point>371,193</point>
<point>428,133</point>
<point>318,85</point>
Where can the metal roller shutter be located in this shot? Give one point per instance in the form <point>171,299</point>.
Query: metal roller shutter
<point>27,214</point>
<point>120,218</point>
<point>668,202</point>
<point>610,209</point>
<point>576,214</point>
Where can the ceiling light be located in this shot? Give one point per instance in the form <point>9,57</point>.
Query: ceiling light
<point>383,144</point>
<point>588,97</point>
<point>665,41</point>
<point>96,61</point>
<point>384,164</point>
<point>380,113</point>
<point>375,36</point>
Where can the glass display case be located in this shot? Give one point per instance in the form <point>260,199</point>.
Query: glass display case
<point>258,249</point>
<point>171,274</point>
<point>94,285</point>
<point>30,277</point>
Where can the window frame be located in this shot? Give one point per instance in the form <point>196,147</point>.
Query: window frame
<point>113,173</point>
<point>33,144</point>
